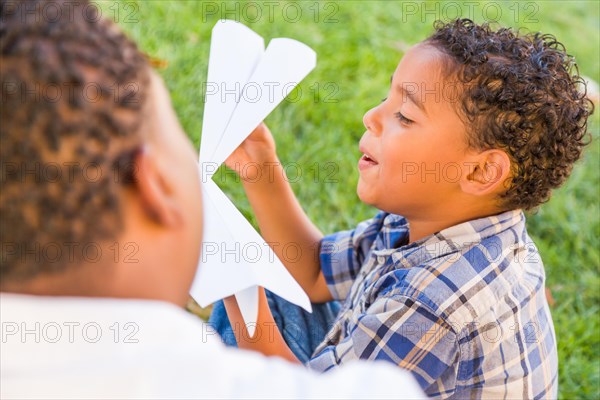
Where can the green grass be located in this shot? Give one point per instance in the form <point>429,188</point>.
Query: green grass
<point>358,48</point>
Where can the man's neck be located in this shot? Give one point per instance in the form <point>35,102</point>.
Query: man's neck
<point>93,280</point>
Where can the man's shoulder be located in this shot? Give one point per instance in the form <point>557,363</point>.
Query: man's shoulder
<point>167,358</point>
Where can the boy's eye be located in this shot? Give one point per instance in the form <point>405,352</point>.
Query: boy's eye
<point>403,119</point>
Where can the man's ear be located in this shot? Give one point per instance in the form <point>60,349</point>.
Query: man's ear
<point>487,174</point>
<point>155,190</point>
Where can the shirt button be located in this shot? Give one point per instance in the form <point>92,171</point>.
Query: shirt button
<point>380,259</point>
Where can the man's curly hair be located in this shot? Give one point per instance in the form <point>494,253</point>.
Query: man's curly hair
<point>522,94</point>
<point>72,111</point>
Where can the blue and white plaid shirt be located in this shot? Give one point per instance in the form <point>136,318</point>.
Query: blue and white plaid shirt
<point>464,309</point>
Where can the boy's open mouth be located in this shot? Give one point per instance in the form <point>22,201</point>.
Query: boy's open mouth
<point>369,159</point>
<point>366,161</point>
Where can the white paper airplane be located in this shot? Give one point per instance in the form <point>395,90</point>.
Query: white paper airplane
<point>245,83</point>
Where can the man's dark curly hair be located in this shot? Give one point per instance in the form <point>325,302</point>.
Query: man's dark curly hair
<point>72,111</point>
<point>522,94</point>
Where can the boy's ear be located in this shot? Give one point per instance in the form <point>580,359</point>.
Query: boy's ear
<point>487,173</point>
<point>155,190</point>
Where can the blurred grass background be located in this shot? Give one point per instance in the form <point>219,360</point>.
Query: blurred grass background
<point>359,44</point>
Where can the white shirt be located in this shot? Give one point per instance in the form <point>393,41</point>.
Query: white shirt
<point>70,347</point>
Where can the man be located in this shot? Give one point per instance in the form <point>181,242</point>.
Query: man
<point>101,226</point>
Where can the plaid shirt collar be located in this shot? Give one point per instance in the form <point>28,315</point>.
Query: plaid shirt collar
<point>395,231</point>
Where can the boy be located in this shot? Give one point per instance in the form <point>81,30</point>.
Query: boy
<point>445,280</point>
<point>97,264</point>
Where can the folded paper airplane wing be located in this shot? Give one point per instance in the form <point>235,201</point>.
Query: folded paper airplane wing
<point>245,83</point>
<point>235,51</point>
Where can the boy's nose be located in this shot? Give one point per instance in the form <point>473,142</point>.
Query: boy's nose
<point>371,121</point>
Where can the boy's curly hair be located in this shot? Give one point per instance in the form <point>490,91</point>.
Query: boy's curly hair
<point>522,94</point>
<point>72,107</point>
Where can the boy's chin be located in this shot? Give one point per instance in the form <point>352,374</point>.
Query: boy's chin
<point>365,194</point>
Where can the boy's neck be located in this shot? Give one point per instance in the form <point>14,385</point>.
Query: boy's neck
<point>421,227</point>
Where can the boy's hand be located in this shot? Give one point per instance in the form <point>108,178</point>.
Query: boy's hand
<point>270,345</point>
<point>277,209</point>
<point>253,153</point>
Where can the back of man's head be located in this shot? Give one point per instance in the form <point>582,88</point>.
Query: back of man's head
<point>81,111</point>
<point>73,94</point>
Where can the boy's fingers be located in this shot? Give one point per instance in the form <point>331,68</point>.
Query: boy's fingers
<point>258,130</point>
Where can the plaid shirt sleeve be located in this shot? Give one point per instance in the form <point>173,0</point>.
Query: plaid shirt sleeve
<point>400,330</point>
<point>342,255</point>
